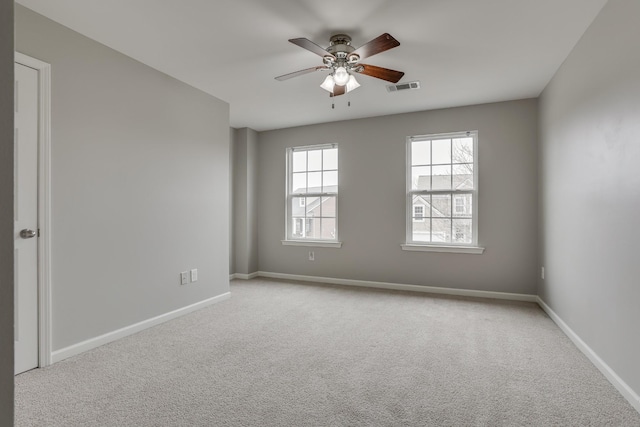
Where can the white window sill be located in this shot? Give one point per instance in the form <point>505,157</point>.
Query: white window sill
<point>438,248</point>
<point>313,243</point>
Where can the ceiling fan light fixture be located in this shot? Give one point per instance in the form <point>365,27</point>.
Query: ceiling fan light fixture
<point>352,83</point>
<point>340,76</point>
<point>328,83</point>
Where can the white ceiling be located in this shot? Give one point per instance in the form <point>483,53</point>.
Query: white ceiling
<point>463,52</point>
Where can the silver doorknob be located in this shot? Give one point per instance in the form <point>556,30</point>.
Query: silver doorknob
<point>27,234</point>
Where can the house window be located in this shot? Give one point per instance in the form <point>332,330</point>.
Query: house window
<point>298,228</point>
<point>460,205</point>
<point>442,190</point>
<point>312,193</point>
<point>418,213</point>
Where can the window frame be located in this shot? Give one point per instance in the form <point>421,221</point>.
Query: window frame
<point>413,245</point>
<point>290,239</point>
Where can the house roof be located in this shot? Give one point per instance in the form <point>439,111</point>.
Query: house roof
<point>444,182</point>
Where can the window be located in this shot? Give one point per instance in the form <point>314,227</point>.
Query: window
<point>418,212</point>
<point>442,191</point>
<point>460,205</point>
<point>312,194</point>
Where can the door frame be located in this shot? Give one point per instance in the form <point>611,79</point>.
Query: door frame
<point>44,205</point>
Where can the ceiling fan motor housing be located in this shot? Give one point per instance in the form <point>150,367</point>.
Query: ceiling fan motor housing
<point>341,49</point>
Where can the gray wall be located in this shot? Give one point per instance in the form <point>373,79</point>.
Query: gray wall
<point>140,185</point>
<point>232,183</point>
<point>589,183</point>
<point>372,200</point>
<point>6,213</point>
<point>244,200</point>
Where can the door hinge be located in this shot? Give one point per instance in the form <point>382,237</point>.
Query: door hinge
<point>38,232</point>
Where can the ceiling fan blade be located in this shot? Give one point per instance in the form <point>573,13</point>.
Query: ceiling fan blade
<point>300,73</point>
<point>377,45</point>
<point>392,76</point>
<point>338,90</point>
<point>310,46</point>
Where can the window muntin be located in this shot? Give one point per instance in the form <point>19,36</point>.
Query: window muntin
<point>442,177</point>
<point>312,193</point>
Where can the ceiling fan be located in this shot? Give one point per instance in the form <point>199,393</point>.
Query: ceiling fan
<point>342,60</point>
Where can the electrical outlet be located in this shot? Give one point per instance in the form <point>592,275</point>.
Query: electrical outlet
<point>194,275</point>
<point>312,256</point>
<point>184,278</point>
<point>542,273</point>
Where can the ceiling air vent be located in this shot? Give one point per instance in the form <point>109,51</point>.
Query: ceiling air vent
<point>403,86</point>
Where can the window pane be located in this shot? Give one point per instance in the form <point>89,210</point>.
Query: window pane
<point>315,160</point>
<point>462,204</point>
<point>328,207</point>
<point>299,183</point>
<point>463,176</point>
<point>441,230</point>
<point>421,152</point>
<point>312,226</point>
<point>441,205</point>
<point>421,231</point>
<point>330,159</point>
<point>312,207</point>
<point>315,182</point>
<point>441,151</point>
<point>441,177</point>
<point>421,178</point>
<point>328,228</point>
<point>299,161</point>
<point>462,231</point>
<point>463,150</point>
<point>330,182</point>
<point>298,206</point>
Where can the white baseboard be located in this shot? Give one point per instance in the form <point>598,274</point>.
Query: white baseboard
<point>92,343</point>
<point>242,276</point>
<point>614,379</point>
<point>401,287</point>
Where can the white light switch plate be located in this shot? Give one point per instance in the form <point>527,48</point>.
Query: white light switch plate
<point>184,278</point>
<point>194,275</point>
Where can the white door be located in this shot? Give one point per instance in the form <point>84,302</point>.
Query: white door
<point>26,218</point>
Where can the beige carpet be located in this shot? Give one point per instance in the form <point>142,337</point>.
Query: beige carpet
<point>292,354</point>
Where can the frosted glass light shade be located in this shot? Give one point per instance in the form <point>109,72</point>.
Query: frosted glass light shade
<point>328,84</point>
<point>352,84</point>
<point>341,77</point>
